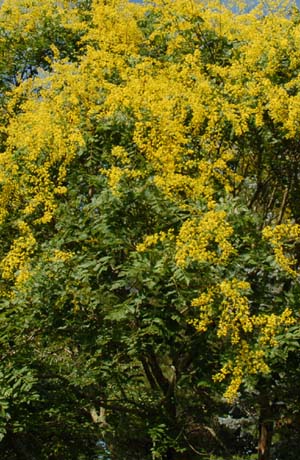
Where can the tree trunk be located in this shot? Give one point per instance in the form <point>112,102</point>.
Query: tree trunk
<point>266,426</point>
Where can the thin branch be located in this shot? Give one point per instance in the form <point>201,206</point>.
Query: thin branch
<point>283,206</point>
<point>200,454</point>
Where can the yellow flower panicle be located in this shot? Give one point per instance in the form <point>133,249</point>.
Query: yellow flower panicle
<point>16,265</point>
<point>61,256</point>
<point>247,361</point>
<point>280,238</point>
<point>152,240</point>
<point>204,240</point>
<point>227,306</point>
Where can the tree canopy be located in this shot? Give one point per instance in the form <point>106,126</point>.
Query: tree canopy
<point>150,229</point>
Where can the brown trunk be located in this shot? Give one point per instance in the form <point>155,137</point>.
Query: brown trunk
<point>265,431</point>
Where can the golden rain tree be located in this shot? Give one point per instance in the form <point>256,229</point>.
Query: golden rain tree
<point>150,213</point>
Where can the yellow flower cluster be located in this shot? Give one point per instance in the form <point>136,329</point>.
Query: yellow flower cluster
<point>235,312</point>
<point>247,361</point>
<point>205,303</point>
<point>234,316</point>
<point>115,174</point>
<point>269,325</point>
<point>152,240</point>
<point>121,154</point>
<point>16,264</point>
<point>204,239</point>
<point>280,237</point>
<point>61,256</point>
<point>227,306</point>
